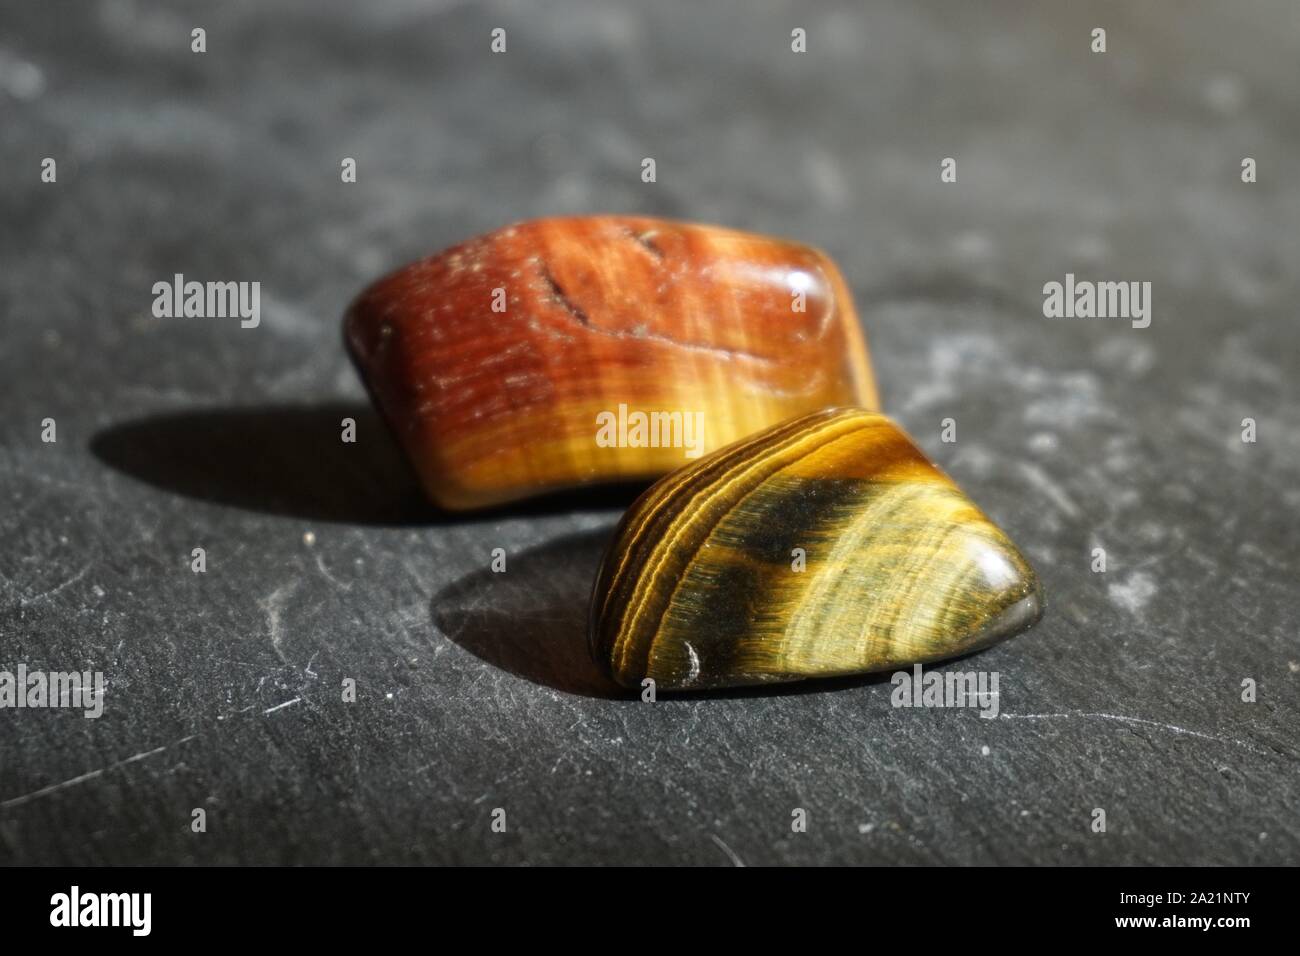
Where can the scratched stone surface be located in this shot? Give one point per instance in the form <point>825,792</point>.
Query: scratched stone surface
<point>473,690</point>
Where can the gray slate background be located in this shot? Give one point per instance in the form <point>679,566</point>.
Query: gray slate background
<point>224,688</point>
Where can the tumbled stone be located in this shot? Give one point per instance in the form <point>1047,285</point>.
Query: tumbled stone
<point>563,352</point>
<point>824,546</point>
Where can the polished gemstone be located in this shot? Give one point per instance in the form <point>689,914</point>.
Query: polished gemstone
<point>828,545</point>
<point>564,352</point>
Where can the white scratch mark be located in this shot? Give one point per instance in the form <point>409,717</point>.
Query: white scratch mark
<point>93,774</point>
<point>497,783</point>
<point>287,703</point>
<point>320,563</point>
<point>1039,479</point>
<point>273,606</point>
<point>1172,728</point>
<point>55,590</point>
<point>731,854</point>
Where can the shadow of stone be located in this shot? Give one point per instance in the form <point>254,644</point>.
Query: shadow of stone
<point>531,619</point>
<point>286,460</point>
<point>290,460</point>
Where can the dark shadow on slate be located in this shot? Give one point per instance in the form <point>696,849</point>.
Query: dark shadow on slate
<point>290,460</point>
<point>531,620</point>
<point>595,497</point>
<point>287,460</point>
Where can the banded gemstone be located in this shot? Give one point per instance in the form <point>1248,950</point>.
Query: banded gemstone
<point>534,357</point>
<point>828,545</point>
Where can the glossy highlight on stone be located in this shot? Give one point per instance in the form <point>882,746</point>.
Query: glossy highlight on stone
<point>701,586</point>
<point>493,359</point>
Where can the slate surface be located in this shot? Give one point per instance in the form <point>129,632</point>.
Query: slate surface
<point>223,688</point>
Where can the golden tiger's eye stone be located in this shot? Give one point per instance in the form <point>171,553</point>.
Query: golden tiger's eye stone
<point>824,546</point>
<point>496,361</point>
